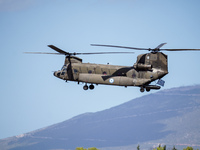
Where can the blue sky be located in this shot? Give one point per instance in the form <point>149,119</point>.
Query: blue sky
<point>31,97</point>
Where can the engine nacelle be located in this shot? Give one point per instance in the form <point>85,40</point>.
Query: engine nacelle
<point>140,66</point>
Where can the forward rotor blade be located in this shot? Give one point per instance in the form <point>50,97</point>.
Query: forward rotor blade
<point>121,47</point>
<point>81,53</point>
<point>179,49</point>
<point>42,53</point>
<point>58,50</point>
<point>102,53</point>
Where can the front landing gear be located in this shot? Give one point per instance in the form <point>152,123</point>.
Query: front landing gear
<point>91,87</point>
<point>85,87</point>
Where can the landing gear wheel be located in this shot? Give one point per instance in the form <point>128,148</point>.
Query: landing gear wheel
<point>142,89</point>
<point>91,87</point>
<point>147,89</point>
<point>85,87</point>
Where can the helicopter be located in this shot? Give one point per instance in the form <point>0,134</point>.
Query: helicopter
<point>149,67</point>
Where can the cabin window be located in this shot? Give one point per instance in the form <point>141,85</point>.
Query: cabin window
<point>75,71</point>
<point>63,73</point>
<point>133,75</point>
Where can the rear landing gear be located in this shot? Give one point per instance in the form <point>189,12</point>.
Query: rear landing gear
<point>149,87</point>
<point>142,89</point>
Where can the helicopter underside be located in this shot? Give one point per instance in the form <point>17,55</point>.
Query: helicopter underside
<point>117,81</point>
<point>132,77</point>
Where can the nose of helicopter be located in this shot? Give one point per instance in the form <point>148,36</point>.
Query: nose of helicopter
<point>56,74</point>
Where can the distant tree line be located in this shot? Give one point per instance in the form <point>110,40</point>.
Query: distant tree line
<point>81,148</point>
<point>138,148</point>
<point>165,148</point>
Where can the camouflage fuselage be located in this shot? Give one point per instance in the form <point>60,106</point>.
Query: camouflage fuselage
<point>149,67</point>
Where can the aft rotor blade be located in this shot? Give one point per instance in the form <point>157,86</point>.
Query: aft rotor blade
<point>58,50</point>
<point>161,45</point>
<point>121,47</point>
<point>149,49</point>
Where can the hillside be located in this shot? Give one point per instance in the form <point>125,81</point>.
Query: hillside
<point>169,116</point>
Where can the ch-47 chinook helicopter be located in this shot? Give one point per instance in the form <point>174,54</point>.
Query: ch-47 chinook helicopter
<point>149,67</point>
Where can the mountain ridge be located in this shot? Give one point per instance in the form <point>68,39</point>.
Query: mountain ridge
<point>158,117</point>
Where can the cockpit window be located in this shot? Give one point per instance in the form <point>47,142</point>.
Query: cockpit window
<point>75,71</point>
<point>64,68</point>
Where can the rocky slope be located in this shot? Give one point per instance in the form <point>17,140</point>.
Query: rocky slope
<point>170,117</point>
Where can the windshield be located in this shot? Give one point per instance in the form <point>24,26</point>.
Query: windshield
<point>64,68</point>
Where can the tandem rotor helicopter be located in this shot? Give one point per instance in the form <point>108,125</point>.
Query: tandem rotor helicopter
<point>149,67</point>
